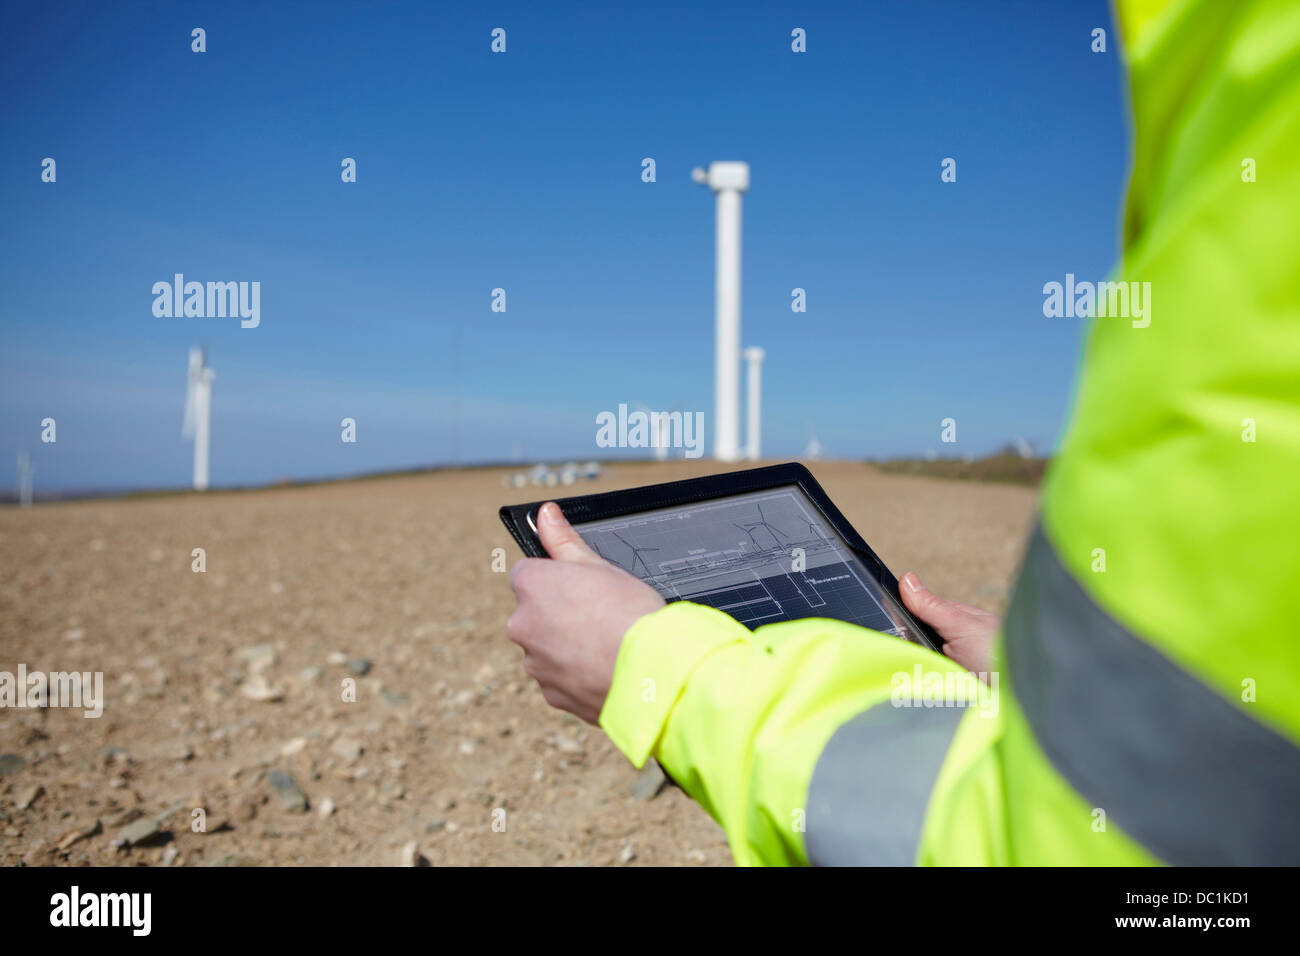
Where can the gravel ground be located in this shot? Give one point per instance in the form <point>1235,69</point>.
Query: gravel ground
<point>225,738</point>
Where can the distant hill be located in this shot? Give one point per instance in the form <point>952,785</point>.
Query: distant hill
<point>1005,466</point>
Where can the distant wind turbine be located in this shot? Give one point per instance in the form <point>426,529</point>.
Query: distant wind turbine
<point>658,428</point>
<point>24,480</point>
<point>198,413</point>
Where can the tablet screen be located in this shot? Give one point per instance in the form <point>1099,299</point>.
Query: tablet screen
<point>761,557</point>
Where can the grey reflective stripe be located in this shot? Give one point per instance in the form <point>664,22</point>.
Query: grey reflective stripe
<point>867,800</point>
<point>1173,763</point>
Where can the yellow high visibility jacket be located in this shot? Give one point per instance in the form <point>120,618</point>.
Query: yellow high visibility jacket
<point>1148,706</point>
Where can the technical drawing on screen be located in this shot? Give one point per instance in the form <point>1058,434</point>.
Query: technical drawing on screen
<point>761,557</point>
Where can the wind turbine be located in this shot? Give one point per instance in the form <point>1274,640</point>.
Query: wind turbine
<point>728,180</point>
<point>661,426</point>
<point>754,414</point>
<point>24,480</point>
<point>659,429</point>
<point>198,413</point>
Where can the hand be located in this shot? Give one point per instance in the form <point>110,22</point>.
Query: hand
<point>967,631</point>
<point>571,614</point>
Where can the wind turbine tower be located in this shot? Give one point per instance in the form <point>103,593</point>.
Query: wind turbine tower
<point>198,413</point>
<point>660,430</point>
<point>729,181</point>
<point>24,480</point>
<point>754,413</point>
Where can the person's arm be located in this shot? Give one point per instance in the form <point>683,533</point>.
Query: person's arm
<point>742,720</point>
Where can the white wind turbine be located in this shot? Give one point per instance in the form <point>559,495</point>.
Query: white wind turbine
<point>24,480</point>
<point>814,450</point>
<point>658,439</point>
<point>729,181</point>
<point>198,413</point>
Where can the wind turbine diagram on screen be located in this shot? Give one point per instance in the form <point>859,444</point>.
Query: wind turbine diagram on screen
<point>762,522</point>
<point>735,554</point>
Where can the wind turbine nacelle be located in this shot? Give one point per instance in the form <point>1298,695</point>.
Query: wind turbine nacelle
<point>724,175</point>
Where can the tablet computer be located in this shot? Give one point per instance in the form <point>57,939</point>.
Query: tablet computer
<point>762,545</point>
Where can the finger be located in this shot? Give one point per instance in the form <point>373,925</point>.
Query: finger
<point>517,629</point>
<point>560,540</point>
<point>521,572</point>
<point>943,616</point>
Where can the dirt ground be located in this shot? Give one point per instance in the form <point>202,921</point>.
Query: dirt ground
<point>215,681</point>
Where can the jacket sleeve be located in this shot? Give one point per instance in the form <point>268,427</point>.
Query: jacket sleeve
<point>740,719</point>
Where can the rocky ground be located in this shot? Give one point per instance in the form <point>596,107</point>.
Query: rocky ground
<point>225,737</point>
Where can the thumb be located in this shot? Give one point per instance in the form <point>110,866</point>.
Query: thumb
<point>560,540</point>
<point>947,617</point>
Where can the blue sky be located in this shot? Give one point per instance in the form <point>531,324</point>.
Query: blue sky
<point>523,171</point>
